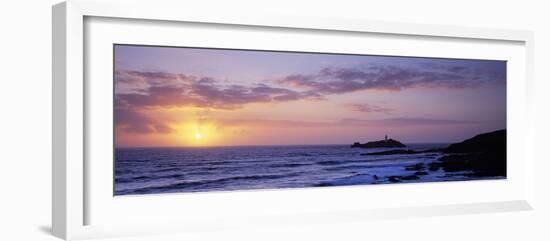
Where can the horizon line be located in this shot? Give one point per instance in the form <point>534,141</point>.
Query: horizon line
<point>266,145</point>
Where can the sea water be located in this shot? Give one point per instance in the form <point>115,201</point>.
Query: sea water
<point>200,169</point>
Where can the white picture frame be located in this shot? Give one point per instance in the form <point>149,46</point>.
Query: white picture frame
<point>73,188</point>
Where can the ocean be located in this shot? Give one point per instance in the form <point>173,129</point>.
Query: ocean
<point>202,169</point>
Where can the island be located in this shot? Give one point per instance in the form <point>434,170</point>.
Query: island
<point>387,143</point>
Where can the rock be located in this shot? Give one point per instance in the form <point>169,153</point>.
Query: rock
<point>420,173</point>
<point>494,142</point>
<point>400,178</point>
<point>323,184</point>
<point>393,179</point>
<point>410,177</point>
<point>401,151</point>
<point>481,164</point>
<point>434,166</point>
<point>390,143</point>
<point>415,167</point>
<point>390,152</point>
<point>483,155</point>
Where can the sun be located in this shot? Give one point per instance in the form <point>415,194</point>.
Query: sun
<point>198,136</point>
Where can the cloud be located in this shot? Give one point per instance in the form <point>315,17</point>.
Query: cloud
<point>132,121</point>
<point>136,91</point>
<point>395,78</point>
<point>367,108</point>
<point>271,123</point>
<point>129,76</point>
<point>165,89</point>
<point>406,122</point>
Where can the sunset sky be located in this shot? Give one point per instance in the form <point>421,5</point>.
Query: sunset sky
<point>166,96</point>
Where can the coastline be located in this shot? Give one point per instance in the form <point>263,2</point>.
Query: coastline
<point>164,170</point>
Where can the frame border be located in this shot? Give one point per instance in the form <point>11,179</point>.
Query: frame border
<point>68,105</point>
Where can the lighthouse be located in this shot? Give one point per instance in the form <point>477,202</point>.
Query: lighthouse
<point>386,138</point>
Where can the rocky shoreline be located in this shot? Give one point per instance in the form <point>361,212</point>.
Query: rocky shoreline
<point>401,151</point>
<point>483,155</point>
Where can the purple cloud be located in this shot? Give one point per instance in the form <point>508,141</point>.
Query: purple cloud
<point>367,108</point>
<point>340,123</point>
<point>165,89</point>
<point>132,121</point>
<point>138,90</point>
<point>405,122</point>
<point>395,78</point>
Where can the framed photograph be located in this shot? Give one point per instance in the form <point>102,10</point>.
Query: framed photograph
<point>176,121</point>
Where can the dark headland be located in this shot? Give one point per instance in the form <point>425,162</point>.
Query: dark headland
<point>388,143</point>
<point>484,154</point>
